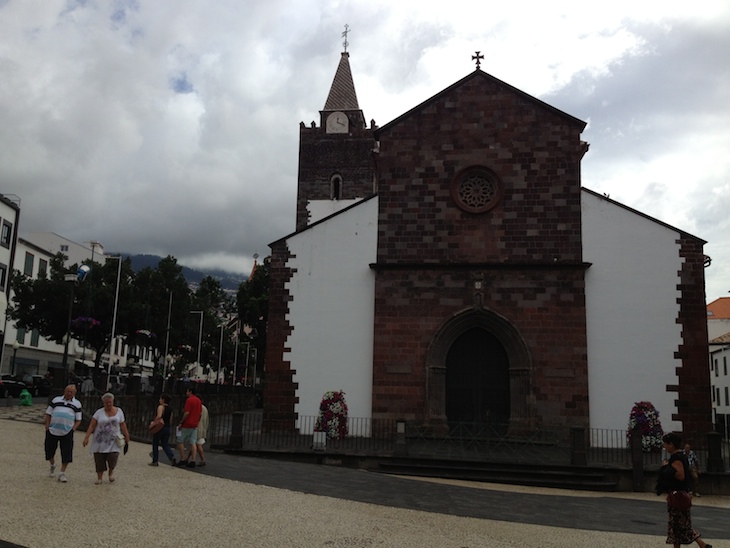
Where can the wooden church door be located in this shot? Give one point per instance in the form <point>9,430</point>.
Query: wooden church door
<point>477,380</point>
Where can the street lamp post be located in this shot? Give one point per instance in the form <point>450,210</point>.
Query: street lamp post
<point>80,276</point>
<point>200,331</point>
<point>220,357</point>
<point>16,345</point>
<point>112,346</point>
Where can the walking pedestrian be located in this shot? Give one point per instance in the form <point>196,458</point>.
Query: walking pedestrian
<point>694,468</point>
<point>164,412</point>
<point>202,434</point>
<point>63,418</point>
<point>674,476</point>
<point>189,427</point>
<point>106,424</point>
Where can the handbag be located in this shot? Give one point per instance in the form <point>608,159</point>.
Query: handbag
<point>156,425</point>
<point>679,500</point>
<point>120,440</point>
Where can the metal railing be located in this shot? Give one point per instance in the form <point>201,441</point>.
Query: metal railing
<point>366,436</point>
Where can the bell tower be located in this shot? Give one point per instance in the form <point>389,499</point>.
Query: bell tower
<point>336,158</point>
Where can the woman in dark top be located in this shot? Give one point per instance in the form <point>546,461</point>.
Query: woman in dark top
<point>675,476</point>
<point>164,411</point>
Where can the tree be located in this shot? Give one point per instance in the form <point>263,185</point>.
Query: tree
<point>43,303</point>
<point>253,306</point>
<point>216,306</point>
<point>161,299</point>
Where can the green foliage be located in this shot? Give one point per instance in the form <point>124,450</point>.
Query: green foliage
<point>154,309</point>
<point>253,308</point>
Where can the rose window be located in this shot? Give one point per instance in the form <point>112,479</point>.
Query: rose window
<point>476,190</point>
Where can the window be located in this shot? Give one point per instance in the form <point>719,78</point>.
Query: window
<point>34,337</point>
<point>476,189</point>
<point>29,260</point>
<point>724,366</point>
<point>64,248</point>
<point>727,395</point>
<point>42,267</point>
<point>6,235</point>
<point>3,276</point>
<point>20,336</point>
<point>336,187</point>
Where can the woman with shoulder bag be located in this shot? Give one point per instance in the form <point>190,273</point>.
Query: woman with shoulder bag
<point>107,426</point>
<point>162,436</point>
<point>674,478</point>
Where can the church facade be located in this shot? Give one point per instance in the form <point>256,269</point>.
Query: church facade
<point>449,267</point>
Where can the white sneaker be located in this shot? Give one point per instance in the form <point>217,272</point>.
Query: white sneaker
<point>52,473</point>
<point>62,477</point>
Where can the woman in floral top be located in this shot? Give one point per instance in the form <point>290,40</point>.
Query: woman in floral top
<point>105,424</point>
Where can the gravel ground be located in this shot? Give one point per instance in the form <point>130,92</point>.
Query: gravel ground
<point>166,506</point>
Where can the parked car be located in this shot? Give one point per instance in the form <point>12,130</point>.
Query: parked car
<point>10,387</point>
<point>41,386</point>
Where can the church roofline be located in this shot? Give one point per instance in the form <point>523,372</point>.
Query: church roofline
<point>644,215</point>
<point>481,74</point>
<point>324,219</point>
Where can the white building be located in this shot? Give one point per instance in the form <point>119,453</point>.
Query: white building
<point>9,215</point>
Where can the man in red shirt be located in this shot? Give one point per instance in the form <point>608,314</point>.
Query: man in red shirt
<point>188,427</point>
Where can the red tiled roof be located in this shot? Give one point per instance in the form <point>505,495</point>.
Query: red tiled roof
<point>722,339</point>
<point>719,309</point>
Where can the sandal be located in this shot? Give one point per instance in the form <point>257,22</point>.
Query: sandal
<point>97,482</point>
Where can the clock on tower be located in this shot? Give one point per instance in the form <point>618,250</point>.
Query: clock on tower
<point>337,122</point>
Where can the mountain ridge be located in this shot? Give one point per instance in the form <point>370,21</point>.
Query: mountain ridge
<point>228,280</point>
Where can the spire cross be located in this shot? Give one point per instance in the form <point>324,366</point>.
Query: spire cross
<point>478,57</point>
<point>345,43</point>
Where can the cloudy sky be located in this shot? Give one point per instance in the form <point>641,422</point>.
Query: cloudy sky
<point>171,127</point>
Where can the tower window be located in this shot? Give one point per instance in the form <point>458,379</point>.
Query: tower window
<point>336,187</point>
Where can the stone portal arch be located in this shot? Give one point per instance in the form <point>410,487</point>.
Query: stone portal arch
<point>521,399</point>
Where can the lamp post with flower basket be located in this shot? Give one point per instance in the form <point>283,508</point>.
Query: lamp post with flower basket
<point>73,279</point>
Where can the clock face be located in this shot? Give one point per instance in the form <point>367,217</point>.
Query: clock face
<point>337,122</point>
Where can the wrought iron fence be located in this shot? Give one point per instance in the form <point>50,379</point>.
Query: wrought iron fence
<point>365,436</point>
<point>610,446</point>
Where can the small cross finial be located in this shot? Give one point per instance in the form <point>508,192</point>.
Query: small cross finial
<point>478,57</point>
<point>345,43</point>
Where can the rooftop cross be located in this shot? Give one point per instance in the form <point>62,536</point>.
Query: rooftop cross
<point>345,43</point>
<point>478,57</point>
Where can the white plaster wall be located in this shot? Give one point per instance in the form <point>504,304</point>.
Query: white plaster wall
<point>12,332</point>
<point>717,328</point>
<point>319,209</point>
<point>332,310</point>
<point>76,253</point>
<point>720,380</point>
<point>631,309</point>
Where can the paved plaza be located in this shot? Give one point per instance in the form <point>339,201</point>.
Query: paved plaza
<point>241,501</point>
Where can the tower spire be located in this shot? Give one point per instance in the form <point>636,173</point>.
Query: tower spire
<point>342,94</point>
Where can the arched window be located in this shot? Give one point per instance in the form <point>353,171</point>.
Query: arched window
<point>336,187</point>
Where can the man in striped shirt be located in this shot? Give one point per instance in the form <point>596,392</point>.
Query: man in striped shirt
<point>63,417</point>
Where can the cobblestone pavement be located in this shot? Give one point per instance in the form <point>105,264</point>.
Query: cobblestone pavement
<point>504,515</point>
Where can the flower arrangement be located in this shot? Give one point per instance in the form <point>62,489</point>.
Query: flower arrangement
<point>332,415</point>
<point>646,418</point>
<point>83,322</point>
